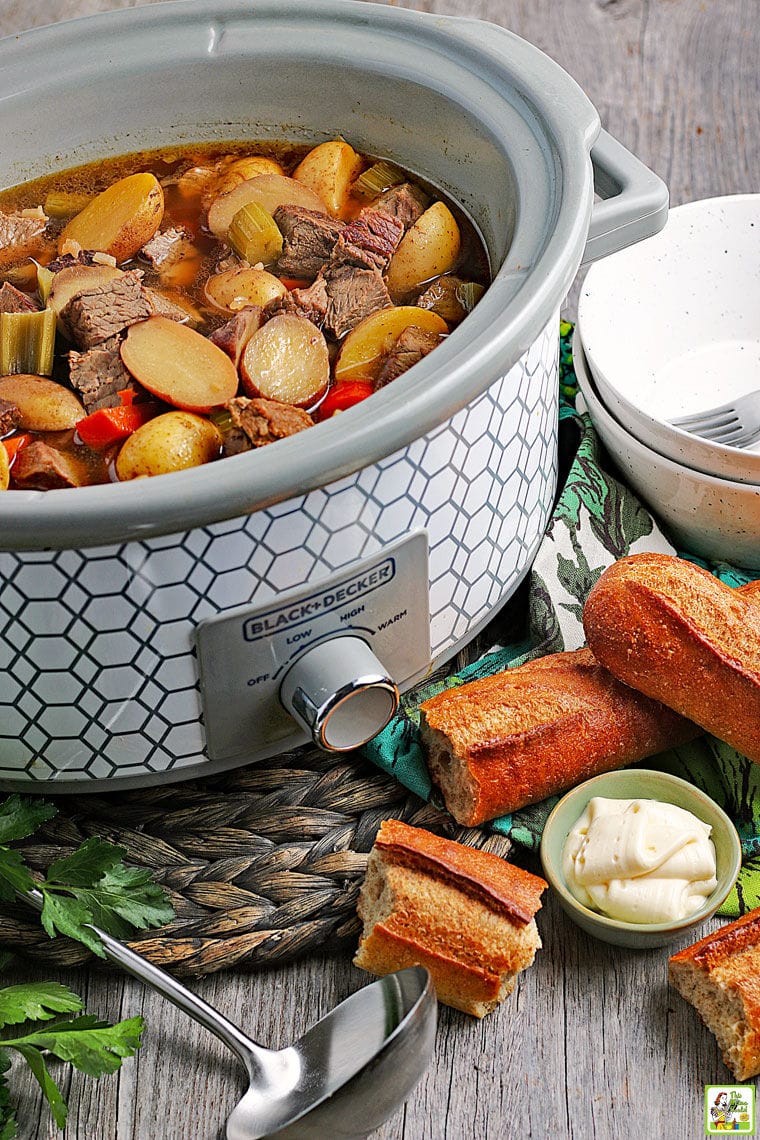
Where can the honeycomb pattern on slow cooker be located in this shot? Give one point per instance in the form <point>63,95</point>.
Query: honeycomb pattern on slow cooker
<point>98,675</point>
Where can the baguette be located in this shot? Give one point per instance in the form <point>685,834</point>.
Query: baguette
<point>499,743</point>
<point>464,914</point>
<point>679,635</point>
<point>720,977</point>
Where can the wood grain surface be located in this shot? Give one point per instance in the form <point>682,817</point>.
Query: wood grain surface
<point>592,1043</point>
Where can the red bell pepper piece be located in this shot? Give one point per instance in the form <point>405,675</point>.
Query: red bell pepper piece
<point>344,396</point>
<point>14,444</point>
<point>109,425</point>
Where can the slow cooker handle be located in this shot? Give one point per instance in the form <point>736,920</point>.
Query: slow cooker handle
<point>634,202</point>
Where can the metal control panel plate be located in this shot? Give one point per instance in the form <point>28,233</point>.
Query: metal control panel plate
<point>244,653</point>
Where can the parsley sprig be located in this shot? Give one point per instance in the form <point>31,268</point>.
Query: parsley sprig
<point>90,886</point>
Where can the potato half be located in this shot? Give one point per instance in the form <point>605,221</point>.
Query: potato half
<point>179,365</point>
<point>121,219</point>
<point>173,441</point>
<point>329,170</point>
<point>429,248</point>
<point>44,405</point>
<point>364,349</point>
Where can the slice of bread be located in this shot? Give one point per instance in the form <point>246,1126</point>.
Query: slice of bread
<point>720,977</point>
<point>466,915</point>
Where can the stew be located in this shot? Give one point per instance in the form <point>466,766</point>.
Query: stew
<point>165,309</point>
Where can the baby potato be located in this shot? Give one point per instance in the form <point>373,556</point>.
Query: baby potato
<point>196,181</point>
<point>241,169</point>
<point>328,170</point>
<point>121,219</point>
<point>366,346</point>
<point>429,248</point>
<point>173,441</point>
<point>269,191</point>
<point>179,365</point>
<point>236,289</point>
<point>286,359</point>
<point>44,404</point>
<point>5,469</point>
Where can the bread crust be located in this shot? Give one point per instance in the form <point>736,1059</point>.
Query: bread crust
<point>493,881</point>
<point>464,914</point>
<point>499,743</point>
<point>720,977</point>
<point>677,634</point>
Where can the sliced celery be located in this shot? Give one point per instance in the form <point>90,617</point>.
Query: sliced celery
<point>44,282</point>
<point>222,419</point>
<point>64,203</point>
<point>468,294</point>
<point>377,179</point>
<point>254,236</point>
<point>27,341</point>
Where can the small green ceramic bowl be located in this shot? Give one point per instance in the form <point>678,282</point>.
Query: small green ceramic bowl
<point>629,784</point>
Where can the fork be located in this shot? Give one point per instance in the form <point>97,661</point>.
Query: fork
<point>735,424</point>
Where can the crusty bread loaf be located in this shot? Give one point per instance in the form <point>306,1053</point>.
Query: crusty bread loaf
<point>501,742</point>
<point>674,632</point>
<point>720,976</point>
<point>464,914</point>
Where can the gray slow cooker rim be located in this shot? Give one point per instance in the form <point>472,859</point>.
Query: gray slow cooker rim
<point>509,318</point>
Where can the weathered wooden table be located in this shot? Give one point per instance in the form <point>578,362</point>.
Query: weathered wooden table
<point>592,1043</point>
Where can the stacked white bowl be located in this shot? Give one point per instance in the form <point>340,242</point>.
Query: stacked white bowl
<point>671,327</point>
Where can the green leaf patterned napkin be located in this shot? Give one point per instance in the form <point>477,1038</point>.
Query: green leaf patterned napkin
<point>596,520</point>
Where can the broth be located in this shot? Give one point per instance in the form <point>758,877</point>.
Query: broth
<point>211,299</point>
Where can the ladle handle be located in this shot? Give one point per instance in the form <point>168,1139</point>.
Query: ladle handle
<point>248,1051</point>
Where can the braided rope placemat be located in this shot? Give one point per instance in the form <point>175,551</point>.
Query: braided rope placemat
<point>262,865</point>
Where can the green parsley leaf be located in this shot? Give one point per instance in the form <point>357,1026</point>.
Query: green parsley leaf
<point>14,874</point>
<point>92,885</point>
<point>92,1046</point>
<point>51,1092</point>
<point>36,1001</point>
<point>86,865</point>
<point>126,898</point>
<point>21,817</point>
<point>66,915</point>
<point>7,1116</point>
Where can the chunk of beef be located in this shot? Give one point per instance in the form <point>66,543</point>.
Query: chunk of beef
<point>98,314</point>
<point>409,347</point>
<point>40,467</point>
<point>168,248</point>
<point>12,300</point>
<point>233,336</point>
<point>264,421</point>
<point>21,237</point>
<point>235,442</point>
<point>10,417</point>
<point>405,202</point>
<point>369,241</point>
<point>308,240</point>
<point>311,303</point>
<point>99,375</point>
<point>164,306</point>
<point>352,295</point>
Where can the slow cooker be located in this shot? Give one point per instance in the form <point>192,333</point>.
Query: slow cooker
<point>188,623</point>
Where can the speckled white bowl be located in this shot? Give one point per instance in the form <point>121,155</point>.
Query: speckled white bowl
<point>715,518</point>
<point>671,326</point>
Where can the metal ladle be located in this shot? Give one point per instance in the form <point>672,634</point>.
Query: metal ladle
<point>342,1079</point>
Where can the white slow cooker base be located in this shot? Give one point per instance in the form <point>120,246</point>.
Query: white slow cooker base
<point>98,680</point>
